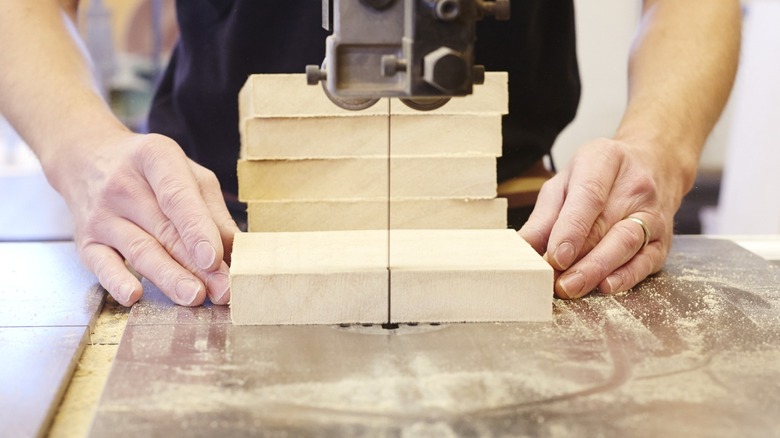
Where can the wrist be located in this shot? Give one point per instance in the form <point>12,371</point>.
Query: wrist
<point>65,158</point>
<point>674,159</point>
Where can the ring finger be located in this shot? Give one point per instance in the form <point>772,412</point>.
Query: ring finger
<point>620,244</point>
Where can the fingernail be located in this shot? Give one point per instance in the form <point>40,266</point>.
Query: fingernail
<point>564,255</point>
<point>219,284</point>
<point>614,282</point>
<point>204,254</point>
<point>572,284</point>
<point>124,292</point>
<point>187,290</point>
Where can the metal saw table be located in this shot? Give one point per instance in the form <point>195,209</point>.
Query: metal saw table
<point>692,351</point>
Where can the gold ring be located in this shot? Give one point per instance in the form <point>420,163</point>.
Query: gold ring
<point>645,229</point>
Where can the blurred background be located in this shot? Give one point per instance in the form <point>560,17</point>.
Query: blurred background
<point>131,40</point>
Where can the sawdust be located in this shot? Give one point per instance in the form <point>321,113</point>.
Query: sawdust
<point>681,342</point>
<point>424,386</point>
<point>707,323</point>
<point>393,396</point>
<point>74,416</point>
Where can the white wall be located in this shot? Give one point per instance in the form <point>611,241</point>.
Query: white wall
<point>749,202</point>
<point>605,30</point>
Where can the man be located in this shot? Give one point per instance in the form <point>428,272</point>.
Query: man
<point>604,222</point>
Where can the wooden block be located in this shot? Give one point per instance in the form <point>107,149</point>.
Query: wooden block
<point>342,277</point>
<point>349,137</point>
<point>288,95</point>
<point>309,278</point>
<point>314,137</point>
<point>366,179</point>
<point>446,134</point>
<point>282,118</point>
<point>467,275</point>
<point>492,97</point>
<point>275,216</point>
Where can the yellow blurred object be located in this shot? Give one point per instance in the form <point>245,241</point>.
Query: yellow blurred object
<point>523,190</point>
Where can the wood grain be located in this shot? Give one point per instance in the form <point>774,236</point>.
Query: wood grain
<point>467,276</point>
<point>492,97</point>
<point>287,95</point>
<point>342,277</point>
<point>309,278</point>
<point>445,135</point>
<point>314,137</point>
<point>366,178</point>
<point>274,216</point>
<point>350,137</point>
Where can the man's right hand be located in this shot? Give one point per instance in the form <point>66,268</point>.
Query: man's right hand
<point>138,199</point>
<point>134,198</point>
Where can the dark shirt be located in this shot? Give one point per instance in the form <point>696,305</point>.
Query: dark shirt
<point>224,41</point>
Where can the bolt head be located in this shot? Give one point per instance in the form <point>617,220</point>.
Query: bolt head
<point>445,69</point>
<point>314,74</point>
<point>389,65</point>
<point>447,10</point>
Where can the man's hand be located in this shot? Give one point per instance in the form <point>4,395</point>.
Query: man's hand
<point>681,69</point>
<point>581,223</point>
<point>135,198</point>
<point>138,198</point>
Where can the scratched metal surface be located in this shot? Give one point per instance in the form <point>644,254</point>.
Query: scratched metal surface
<point>48,302</point>
<point>35,369</point>
<point>693,351</point>
<point>45,285</point>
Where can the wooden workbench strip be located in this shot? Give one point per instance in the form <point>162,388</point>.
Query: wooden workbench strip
<point>273,216</point>
<point>366,179</point>
<point>309,278</point>
<point>492,97</point>
<point>467,276</point>
<point>287,95</point>
<point>74,415</point>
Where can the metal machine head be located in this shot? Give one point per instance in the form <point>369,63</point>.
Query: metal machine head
<point>421,51</point>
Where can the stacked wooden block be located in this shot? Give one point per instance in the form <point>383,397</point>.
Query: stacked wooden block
<point>308,165</point>
<point>317,180</point>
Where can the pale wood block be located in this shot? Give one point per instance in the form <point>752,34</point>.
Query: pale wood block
<point>314,137</point>
<point>367,178</point>
<point>288,95</point>
<point>467,276</point>
<point>275,216</point>
<point>446,134</point>
<point>492,97</point>
<point>309,278</point>
<point>345,137</point>
<point>341,277</point>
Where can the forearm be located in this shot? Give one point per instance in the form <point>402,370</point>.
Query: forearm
<point>681,70</point>
<point>47,90</point>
